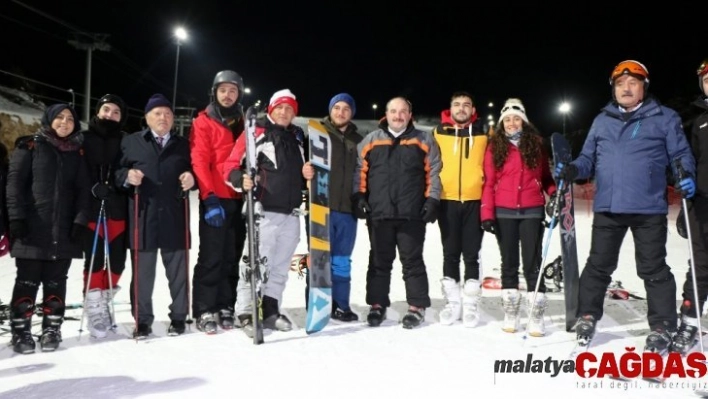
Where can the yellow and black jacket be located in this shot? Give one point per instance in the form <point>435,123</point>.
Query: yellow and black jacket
<point>462,153</point>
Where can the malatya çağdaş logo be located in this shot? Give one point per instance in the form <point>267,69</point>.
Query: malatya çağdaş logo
<point>630,364</point>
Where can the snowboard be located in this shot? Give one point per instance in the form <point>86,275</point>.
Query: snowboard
<point>569,251</point>
<point>255,263</point>
<point>319,308</point>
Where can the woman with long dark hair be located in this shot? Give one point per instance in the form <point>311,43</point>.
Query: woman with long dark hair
<point>517,173</point>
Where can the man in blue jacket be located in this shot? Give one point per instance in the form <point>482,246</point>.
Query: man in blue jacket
<point>630,145</point>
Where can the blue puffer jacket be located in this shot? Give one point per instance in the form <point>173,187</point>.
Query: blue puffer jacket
<point>629,159</point>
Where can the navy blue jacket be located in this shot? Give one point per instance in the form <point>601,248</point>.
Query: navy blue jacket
<point>629,159</point>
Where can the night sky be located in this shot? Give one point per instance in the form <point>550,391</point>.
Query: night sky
<point>542,54</point>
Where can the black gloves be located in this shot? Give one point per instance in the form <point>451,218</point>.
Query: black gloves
<point>489,226</point>
<point>361,210</point>
<point>77,231</point>
<point>18,228</point>
<point>430,210</point>
<point>552,201</point>
<point>567,172</point>
<point>101,191</point>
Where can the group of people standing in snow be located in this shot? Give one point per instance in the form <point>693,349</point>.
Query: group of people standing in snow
<point>96,193</point>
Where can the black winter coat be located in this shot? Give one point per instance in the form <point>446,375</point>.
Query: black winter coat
<point>161,211</point>
<point>344,157</point>
<point>102,152</point>
<point>48,188</point>
<point>699,146</point>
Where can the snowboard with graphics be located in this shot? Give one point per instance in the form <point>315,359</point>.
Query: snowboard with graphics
<point>319,308</point>
<point>569,251</point>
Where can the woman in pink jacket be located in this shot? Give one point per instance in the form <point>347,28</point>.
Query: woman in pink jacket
<point>517,173</point>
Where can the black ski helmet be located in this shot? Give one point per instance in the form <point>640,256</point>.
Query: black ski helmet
<point>702,71</point>
<point>228,76</point>
<point>114,99</point>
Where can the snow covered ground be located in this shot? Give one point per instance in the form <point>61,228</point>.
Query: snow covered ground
<point>344,360</point>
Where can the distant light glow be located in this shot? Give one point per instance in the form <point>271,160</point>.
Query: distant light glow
<point>490,105</point>
<point>247,90</point>
<point>564,108</point>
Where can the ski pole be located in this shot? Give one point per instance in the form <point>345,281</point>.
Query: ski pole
<point>91,263</point>
<point>684,204</point>
<point>136,257</point>
<point>107,261</point>
<point>185,195</point>
<point>546,245</point>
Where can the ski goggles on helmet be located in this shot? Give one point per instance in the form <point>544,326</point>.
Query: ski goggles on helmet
<point>630,67</point>
<point>703,68</point>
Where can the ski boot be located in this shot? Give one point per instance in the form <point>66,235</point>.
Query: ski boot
<point>226,319</point>
<point>687,335</point>
<point>107,298</point>
<point>246,321</point>
<point>22,339</point>
<point>272,319</point>
<point>511,302</point>
<point>536,326</point>
<point>585,329</point>
<point>376,316</point>
<point>453,307</point>
<point>206,323</point>
<point>95,306</point>
<point>177,327</point>
<point>142,331</point>
<point>413,318</point>
<point>344,315</point>
<point>53,310</point>
<point>659,341</point>
<point>470,300</point>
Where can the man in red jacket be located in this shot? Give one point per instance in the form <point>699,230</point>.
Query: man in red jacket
<point>222,230</point>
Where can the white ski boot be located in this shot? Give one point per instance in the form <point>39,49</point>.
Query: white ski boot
<point>453,308</point>
<point>536,326</point>
<point>470,301</point>
<point>94,310</point>
<point>511,302</point>
<point>107,298</point>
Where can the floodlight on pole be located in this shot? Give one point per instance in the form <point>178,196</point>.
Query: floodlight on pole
<point>374,107</point>
<point>180,36</point>
<point>564,108</point>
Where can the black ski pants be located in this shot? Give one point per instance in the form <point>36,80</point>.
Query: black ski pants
<point>649,233</point>
<point>529,233</point>
<point>216,273</point>
<point>51,274</point>
<point>408,236</point>
<point>461,234</point>
<point>698,223</point>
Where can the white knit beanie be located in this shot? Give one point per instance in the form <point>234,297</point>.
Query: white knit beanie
<point>513,106</point>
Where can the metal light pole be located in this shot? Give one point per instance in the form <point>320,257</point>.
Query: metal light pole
<point>180,35</point>
<point>564,108</point>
